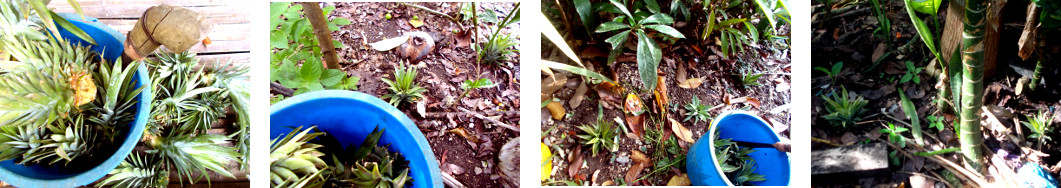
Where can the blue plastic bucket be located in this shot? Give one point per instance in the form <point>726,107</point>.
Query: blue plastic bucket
<point>744,127</point>
<point>58,176</point>
<point>350,116</point>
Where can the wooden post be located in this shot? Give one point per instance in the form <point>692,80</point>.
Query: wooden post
<point>316,18</point>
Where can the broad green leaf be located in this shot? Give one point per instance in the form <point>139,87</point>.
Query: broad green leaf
<point>658,18</point>
<point>332,77</point>
<point>648,57</point>
<point>667,30</point>
<point>731,22</point>
<point>278,39</point>
<point>710,25</point>
<point>585,12</point>
<point>72,29</point>
<point>611,26</point>
<point>606,7</point>
<point>351,82</point>
<point>911,113</point>
<point>277,8</point>
<point>837,68</point>
<point>922,28</point>
<point>652,6</point>
<point>617,40</point>
<point>311,71</point>
<point>554,36</point>
<point>574,69</point>
<point>767,10</point>
<point>924,6</point>
<point>341,21</point>
<point>619,5</point>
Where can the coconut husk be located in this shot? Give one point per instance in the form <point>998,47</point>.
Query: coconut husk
<point>176,28</point>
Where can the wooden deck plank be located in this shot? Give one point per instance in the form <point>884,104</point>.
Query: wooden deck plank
<point>214,13</point>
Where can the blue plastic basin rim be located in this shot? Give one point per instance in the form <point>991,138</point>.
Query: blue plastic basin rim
<point>21,178</point>
<point>409,126</point>
<point>711,137</point>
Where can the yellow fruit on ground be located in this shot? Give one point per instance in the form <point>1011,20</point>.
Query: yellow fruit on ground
<point>547,162</point>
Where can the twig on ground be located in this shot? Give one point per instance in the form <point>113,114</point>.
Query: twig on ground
<point>960,171</point>
<point>444,114</point>
<point>451,18</point>
<point>480,116</point>
<point>280,89</point>
<point>450,181</point>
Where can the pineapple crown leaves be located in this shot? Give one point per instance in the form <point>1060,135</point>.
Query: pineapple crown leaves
<point>188,154</point>
<point>843,108</point>
<point>598,136</point>
<point>697,111</point>
<point>50,82</point>
<point>239,95</point>
<point>118,94</point>
<point>1039,124</point>
<point>137,171</point>
<point>52,143</point>
<point>293,160</point>
<point>404,86</point>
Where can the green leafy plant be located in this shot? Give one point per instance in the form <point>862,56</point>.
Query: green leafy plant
<point>832,73</point>
<point>294,161</point>
<point>936,122</point>
<point>1050,17</point>
<point>470,85</point>
<point>600,135</point>
<point>749,79</point>
<point>698,112</point>
<point>196,154</point>
<point>884,28</point>
<point>404,87</point>
<point>499,46</point>
<point>911,113</point>
<point>1039,124</point>
<point>648,51</point>
<point>735,162</point>
<point>369,165</point>
<point>912,73</point>
<point>928,7</point>
<point>292,42</point>
<point>894,134</point>
<point>844,109</point>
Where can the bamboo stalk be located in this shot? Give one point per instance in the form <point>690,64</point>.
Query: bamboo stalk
<point>972,82</point>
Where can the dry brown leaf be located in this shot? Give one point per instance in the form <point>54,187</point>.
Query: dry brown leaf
<point>746,100</point>
<point>634,172</point>
<point>551,83</point>
<point>608,183</point>
<point>681,132</point>
<point>460,131</point>
<point>575,166</point>
<point>609,92</point>
<point>636,122</point>
<point>691,83</point>
<point>579,95</point>
<point>556,109</point>
<point>639,157</point>
<point>661,95</point>
<point>679,180</point>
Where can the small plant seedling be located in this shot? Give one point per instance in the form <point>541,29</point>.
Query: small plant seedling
<point>912,73</point>
<point>696,111</point>
<point>1039,124</point>
<point>844,109</point>
<point>894,134</point>
<point>884,24</point>
<point>935,121</point>
<point>470,85</point>
<point>750,79</point>
<point>832,73</point>
<point>600,135</point>
<point>404,87</point>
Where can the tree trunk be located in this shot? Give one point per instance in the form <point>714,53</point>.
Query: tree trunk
<point>972,82</point>
<point>316,18</point>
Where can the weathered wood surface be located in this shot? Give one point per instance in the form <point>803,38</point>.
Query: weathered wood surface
<point>231,24</point>
<point>849,160</point>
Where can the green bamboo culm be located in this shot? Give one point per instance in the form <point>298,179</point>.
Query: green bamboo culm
<point>1038,75</point>
<point>972,82</point>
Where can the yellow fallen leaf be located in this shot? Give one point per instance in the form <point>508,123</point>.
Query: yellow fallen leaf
<point>639,157</point>
<point>415,22</point>
<point>556,109</point>
<point>547,162</point>
<point>679,180</point>
<point>691,83</point>
<point>681,132</point>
